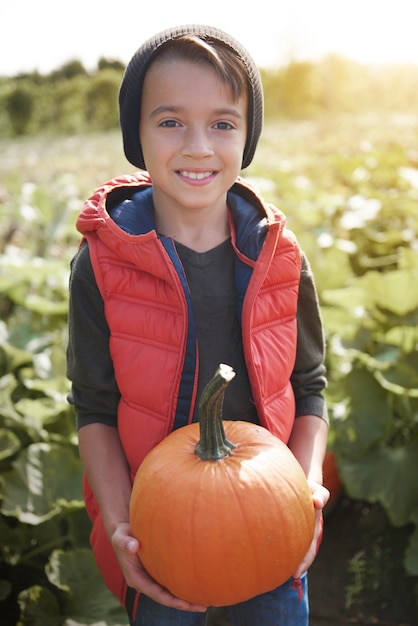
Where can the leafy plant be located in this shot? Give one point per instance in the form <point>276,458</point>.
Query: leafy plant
<point>354,210</point>
<point>45,560</point>
<point>349,189</point>
<point>43,524</point>
<point>374,390</point>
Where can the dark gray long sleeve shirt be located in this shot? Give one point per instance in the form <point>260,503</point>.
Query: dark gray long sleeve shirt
<point>210,276</point>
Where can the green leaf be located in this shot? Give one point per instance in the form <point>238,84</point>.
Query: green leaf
<point>40,412</point>
<point>388,476</point>
<point>86,596</point>
<point>12,358</point>
<point>348,298</point>
<point>45,479</point>
<point>327,258</point>
<point>39,607</point>
<point>39,285</point>
<point>368,416</point>
<point>390,291</point>
<point>393,290</point>
<point>405,337</point>
<point>9,443</point>
<point>28,545</point>
<point>5,589</point>
<point>401,376</point>
<point>10,418</point>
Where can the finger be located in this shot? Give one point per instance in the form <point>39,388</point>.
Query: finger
<point>314,547</point>
<point>320,495</point>
<point>132,545</point>
<point>161,595</point>
<point>123,540</point>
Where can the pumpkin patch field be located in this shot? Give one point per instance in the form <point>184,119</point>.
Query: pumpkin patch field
<point>349,187</point>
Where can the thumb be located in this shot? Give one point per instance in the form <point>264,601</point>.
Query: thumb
<point>132,545</point>
<point>122,539</point>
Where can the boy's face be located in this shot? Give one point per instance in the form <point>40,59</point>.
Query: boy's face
<point>192,134</point>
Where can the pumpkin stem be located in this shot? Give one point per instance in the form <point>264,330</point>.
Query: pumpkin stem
<point>213,444</point>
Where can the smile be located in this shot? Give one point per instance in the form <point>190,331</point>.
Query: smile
<point>195,175</point>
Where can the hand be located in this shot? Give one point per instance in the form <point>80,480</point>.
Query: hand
<point>126,549</point>
<point>320,496</point>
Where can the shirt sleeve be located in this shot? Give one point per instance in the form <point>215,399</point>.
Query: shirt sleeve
<point>94,392</point>
<point>309,375</point>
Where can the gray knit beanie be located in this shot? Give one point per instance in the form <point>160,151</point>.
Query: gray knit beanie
<point>131,90</point>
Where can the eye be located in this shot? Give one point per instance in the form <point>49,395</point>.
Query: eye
<point>169,124</point>
<point>222,125</point>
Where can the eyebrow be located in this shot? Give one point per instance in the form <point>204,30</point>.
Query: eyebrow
<point>225,111</point>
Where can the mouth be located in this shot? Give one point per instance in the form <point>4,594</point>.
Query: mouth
<point>199,176</point>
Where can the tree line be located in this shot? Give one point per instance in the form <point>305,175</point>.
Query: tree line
<point>70,99</point>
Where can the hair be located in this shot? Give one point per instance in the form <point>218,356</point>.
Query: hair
<point>228,66</point>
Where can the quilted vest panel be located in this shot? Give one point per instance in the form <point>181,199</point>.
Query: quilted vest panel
<point>147,312</point>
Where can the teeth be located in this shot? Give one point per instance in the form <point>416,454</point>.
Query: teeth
<point>196,175</point>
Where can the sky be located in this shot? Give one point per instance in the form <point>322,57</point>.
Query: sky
<point>44,34</point>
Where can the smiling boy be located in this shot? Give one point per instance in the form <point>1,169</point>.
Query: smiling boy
<point>184,266</point>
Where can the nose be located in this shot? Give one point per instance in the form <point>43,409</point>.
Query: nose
<point>197,143</point>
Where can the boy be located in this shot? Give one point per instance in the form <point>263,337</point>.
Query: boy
<point>184,266</point>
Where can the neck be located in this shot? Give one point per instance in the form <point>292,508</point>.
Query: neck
<point>198,230</point>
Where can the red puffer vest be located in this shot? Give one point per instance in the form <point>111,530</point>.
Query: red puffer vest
<point>147,309</point>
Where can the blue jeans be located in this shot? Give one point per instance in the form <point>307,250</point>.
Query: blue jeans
<point>285,606</point>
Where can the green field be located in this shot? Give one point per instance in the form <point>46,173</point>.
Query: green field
<point>349,187</point>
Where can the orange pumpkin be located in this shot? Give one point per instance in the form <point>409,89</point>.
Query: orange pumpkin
<point>332,482</point>
<point>221,522</point>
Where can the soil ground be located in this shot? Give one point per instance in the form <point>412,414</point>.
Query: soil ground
<point>358,577</point>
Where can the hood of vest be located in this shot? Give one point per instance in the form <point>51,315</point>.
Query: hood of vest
<point>250,217</point>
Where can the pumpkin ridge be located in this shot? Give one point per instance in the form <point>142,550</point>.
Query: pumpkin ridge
<point>256,574</point>
<point>304,518</point>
